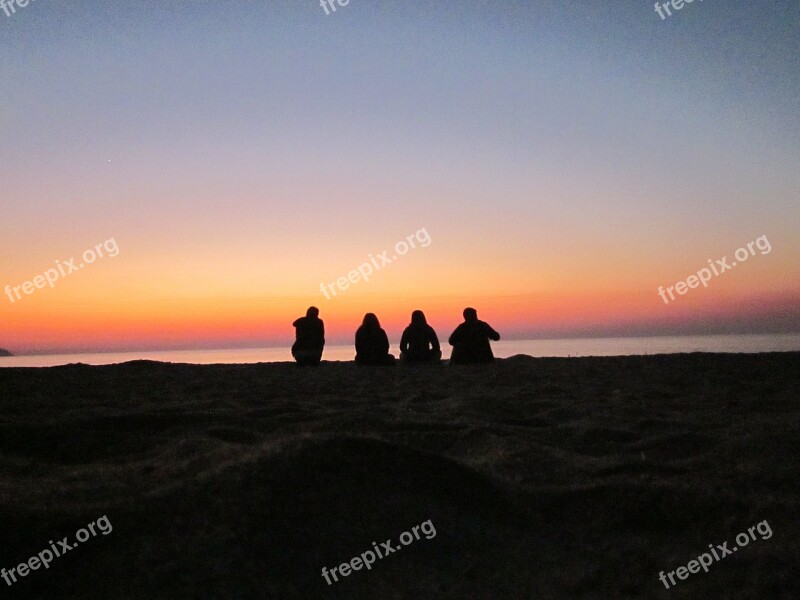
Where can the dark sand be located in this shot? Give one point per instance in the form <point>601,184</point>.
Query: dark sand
<point>544,478</point>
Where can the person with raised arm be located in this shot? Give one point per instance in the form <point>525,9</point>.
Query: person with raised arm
<point>470,340</point>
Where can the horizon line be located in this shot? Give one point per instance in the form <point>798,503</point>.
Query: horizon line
<point>349,344</point>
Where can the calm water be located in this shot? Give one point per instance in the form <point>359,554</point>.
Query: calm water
<point>503,349</point>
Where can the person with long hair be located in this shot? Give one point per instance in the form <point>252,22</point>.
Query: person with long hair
<point>372,343</point>
<point>420,343</point>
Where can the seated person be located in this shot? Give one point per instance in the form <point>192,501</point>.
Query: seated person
<point>419,343</point>
<point>310,338</point>
<point>470,340</point>
<point>372,344</point>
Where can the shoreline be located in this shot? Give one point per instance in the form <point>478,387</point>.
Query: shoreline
<point>445,363</point>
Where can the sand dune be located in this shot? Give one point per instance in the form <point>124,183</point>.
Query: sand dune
<point>544,478</point>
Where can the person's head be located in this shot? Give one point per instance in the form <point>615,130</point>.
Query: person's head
<point>470,314</point>
<point>312,311</point>
<point>418,318</point>
<point>370,320</point>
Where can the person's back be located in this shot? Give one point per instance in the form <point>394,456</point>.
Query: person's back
<point>419,342</point>
<point>372,343</point>
<point>309,338</point>
<point>470,340</point>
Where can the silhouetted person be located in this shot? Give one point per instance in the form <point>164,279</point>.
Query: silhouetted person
<point>470,340</point>
<point>372,344</point>
<point>310,338</point>
<point>419,343</point>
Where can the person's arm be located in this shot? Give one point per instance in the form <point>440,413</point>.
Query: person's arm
<point>455,337</point>
<point>434,340</point>
<point>493,335</point>
<point>404,341</point>
<point>322,331</point>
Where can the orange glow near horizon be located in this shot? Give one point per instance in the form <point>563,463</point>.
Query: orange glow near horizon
<point>118,324</point>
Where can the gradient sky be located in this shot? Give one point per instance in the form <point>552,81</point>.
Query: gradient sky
<point>566,159</point>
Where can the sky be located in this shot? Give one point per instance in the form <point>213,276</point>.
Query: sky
<point>565,159</point>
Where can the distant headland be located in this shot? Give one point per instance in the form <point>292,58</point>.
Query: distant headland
<point>5,353</point>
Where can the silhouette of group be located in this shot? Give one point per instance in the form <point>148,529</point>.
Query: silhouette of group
<point>418,345</point>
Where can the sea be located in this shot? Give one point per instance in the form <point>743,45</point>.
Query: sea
<point>502,349</point>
